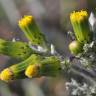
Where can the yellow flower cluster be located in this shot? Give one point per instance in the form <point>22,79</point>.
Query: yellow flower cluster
<point>78,16</point>
<point>25,21</point>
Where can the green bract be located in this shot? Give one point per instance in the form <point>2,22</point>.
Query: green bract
<point>18,49</point>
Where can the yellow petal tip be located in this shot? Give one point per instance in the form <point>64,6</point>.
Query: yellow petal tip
<point>78,16</point>
<point>6,75</point>
<point>25,21</point>
<point>31,71</point>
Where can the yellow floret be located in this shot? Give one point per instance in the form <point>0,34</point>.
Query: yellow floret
<point>78,16</point>
<point>6,75</point>
<point>31,71</point>
<point>25,21</point>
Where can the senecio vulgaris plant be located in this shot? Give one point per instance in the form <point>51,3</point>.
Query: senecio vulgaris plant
<point>39,58</point>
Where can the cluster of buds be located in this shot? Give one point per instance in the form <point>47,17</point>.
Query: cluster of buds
<point>33,64</point>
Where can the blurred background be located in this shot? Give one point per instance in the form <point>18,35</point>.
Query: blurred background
<point>52,16</point>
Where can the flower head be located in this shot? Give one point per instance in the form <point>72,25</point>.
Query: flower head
<point>75,47</point>
<point>28,25</point>
<point>6,75</point>
<point>25,21</point>
<point>80,24</point>
<point>31,71</point>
